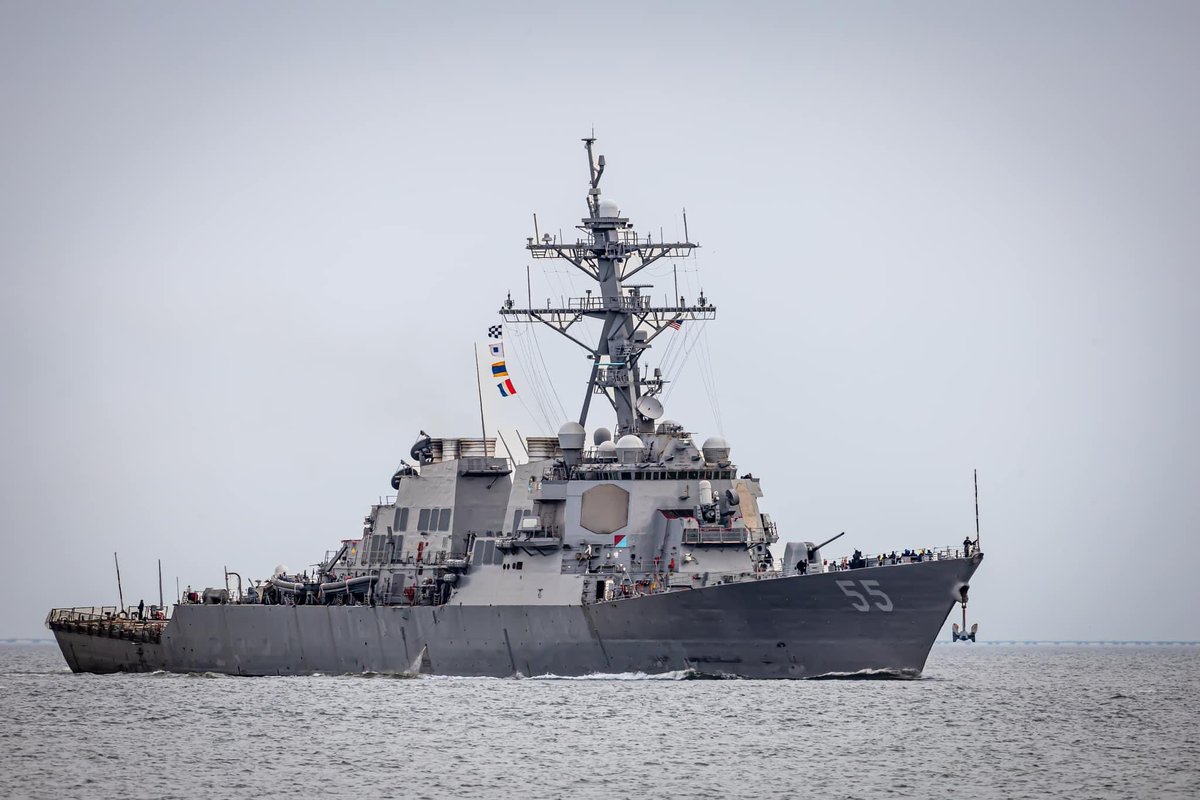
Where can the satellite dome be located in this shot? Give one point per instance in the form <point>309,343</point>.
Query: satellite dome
<point>715,450</point>
<point>609,208</point>
<point>601,435</point>
<point>629,448</point>
<point>280,569</point>
<point>571,436</point>
<point>669,426</point>
<point>607,451</point>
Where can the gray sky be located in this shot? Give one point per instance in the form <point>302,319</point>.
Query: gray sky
<point>245,251</point>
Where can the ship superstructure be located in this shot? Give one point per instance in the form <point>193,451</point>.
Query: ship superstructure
<point>632,550</point>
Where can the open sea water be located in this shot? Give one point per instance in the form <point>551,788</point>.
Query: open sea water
<point>985,721</point>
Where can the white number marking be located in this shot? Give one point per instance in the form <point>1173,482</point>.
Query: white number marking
<point>848,588</point>
<point>874,591</point>
<point>883,602</point>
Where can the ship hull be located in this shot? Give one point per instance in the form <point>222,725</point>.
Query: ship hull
<point>880,619</point>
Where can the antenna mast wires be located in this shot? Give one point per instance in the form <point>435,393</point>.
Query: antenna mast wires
<point>610,253</point>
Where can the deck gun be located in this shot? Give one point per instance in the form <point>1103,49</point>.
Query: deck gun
<point>812,551</point>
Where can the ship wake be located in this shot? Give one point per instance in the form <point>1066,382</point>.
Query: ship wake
<point>674,675</point>
<point>870,675</point>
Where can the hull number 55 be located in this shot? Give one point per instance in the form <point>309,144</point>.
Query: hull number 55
<point>861,603</point>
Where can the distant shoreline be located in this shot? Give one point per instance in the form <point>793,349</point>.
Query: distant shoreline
<point>1156,642</point>
<point>1162,642</point>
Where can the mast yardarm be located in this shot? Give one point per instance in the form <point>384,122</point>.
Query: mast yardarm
<point>611,254</point>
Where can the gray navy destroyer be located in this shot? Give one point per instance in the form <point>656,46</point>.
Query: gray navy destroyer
<point>636,550</point>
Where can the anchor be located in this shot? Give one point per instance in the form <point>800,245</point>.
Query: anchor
<point>961,634</point>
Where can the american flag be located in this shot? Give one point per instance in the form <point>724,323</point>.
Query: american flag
<point>675,323</point>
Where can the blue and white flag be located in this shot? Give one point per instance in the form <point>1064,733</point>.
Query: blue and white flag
<point>496,357</point>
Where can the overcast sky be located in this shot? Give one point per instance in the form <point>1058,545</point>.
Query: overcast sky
<point>246,249</point>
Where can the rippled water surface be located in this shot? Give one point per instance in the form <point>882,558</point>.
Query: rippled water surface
<point>984,721</point>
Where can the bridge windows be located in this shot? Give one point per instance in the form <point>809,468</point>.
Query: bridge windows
<point>654,474</point>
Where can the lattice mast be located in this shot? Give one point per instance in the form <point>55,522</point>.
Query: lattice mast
<point>611,254</point>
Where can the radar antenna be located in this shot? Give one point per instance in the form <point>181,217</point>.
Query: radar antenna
<point>611,253</point>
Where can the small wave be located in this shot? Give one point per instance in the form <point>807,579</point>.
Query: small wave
<point>425,676</point>
<point>675,675</point>
<point>870,675</point>
<point>393,675</point>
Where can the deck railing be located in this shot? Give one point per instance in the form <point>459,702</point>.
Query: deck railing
<point>82,614</point>
<point>885,560</point>
<point>625,587</point>
<point>99,614</point>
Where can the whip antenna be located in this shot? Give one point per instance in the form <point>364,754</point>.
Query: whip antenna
<point>120,591</point>
<point>977,548</point>
<point>479,388</point>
